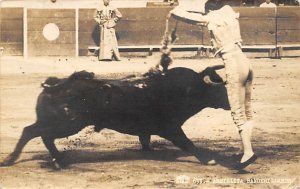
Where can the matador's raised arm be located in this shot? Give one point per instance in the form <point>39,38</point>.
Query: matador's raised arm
<point>189,17</point>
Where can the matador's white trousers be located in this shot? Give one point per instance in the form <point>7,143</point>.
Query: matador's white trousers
<point>239,77</point>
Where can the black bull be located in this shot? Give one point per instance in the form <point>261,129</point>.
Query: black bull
<point>156,104</point>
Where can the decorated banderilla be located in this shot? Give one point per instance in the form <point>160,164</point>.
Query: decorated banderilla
<point>167,40</point>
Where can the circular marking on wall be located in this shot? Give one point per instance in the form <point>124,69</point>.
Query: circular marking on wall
<point>51,31</point>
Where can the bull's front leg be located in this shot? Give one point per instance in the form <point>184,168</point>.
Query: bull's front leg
<point>57,160</point>
<point>145,141</point>
<point>28,133</point>
<point>179,139</point>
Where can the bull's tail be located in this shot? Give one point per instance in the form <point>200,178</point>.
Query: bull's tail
<point>28,133</point>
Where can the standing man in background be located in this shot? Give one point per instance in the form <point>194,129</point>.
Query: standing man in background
<point>268,4</point>
<point>222,22</point>
<point>107,16</point>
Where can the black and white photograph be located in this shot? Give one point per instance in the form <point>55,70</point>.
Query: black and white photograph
<point>152,94</point>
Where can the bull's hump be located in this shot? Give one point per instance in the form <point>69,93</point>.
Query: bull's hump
<point>182,75</point>
<point>182,71</point>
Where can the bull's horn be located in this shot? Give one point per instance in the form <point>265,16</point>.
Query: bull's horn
<point>107,86</point>
<point>45,85</point>
<point>208,81</point>
<point>217,67</point>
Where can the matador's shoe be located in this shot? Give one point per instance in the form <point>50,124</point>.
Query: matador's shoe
<point>243,165</point>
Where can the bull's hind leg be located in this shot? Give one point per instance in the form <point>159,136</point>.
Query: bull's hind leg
<point>28,133</point>
<point>179,139</point>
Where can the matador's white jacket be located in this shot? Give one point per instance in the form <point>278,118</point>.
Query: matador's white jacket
<point>223,25</point>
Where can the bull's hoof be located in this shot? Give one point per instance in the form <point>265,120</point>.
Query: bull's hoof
<point>58,164</point>
<point>208,161</point>
<point>5,163</point>
<point>54,164</point>
<point>211,162</point>
<point>8,161</point>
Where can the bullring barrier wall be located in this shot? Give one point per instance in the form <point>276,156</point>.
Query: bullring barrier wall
<point>23,31</point>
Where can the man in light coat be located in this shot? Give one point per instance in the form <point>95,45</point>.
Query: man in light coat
<point>106,15</point>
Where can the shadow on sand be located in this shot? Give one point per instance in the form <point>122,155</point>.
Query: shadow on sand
<point>225,157</point>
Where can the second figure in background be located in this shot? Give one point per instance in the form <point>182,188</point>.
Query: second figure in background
<point>106,15</point>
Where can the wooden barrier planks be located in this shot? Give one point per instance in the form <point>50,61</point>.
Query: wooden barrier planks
<point>288,25</point>
<point>258,25</point>
<point>138,27</point>
<point>149,24</point>
<point>145,26</point>
<point>88,31</point>
<point>11,31</point>
<point>64,44</point>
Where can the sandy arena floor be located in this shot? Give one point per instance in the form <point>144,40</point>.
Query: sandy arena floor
<point>113,160</point>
